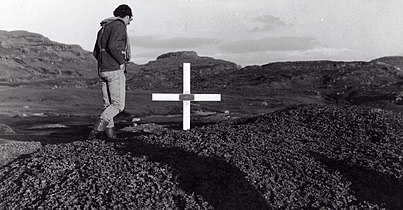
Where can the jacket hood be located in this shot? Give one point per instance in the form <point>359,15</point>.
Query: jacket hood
<point>108,20</point>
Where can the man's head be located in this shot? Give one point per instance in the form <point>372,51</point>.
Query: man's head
<point>123,11</point>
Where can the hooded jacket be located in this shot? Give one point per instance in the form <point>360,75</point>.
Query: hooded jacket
<point>111,46</point>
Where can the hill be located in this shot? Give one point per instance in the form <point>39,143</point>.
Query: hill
<point>29,57</point>
<point>396,61</point>
<point>166,71</point>
<point>376,83</point>
<point>328,81</point>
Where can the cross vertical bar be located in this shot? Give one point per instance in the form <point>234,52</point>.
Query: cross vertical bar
<point>186,115</point>
<point>186,90</point>
<point>186,78</point>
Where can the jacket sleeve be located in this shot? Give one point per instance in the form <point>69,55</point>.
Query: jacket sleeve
<point>96,50</point>
<point>117,42</point>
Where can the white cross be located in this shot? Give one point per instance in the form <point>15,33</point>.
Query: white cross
<point>186,97</point>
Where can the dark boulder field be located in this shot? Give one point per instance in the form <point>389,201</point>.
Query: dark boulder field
<point>301,157</point>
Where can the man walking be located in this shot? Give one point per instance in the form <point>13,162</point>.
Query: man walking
<point>112,50</point>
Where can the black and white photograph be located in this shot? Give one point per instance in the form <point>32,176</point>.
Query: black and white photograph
<point>201,104</point>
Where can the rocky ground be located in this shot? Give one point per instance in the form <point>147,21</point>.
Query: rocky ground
<point>9,150</point>
<point>302,157</point>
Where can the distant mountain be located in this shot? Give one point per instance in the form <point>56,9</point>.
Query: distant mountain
<point>166,71</point>
<point>31,57</point>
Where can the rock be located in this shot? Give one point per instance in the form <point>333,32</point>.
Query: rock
<point>200,112</point>
<point>47,126</point>
<point>38,114</point>
<point>135,120</point>
<point>146,128</point>
<point>215,118</point>
<point>5,129</point>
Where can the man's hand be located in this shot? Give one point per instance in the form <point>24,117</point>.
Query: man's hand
<point>123,67</point>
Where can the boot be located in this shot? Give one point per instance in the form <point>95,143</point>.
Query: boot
<point>110,133</point>
<point>99,126</point>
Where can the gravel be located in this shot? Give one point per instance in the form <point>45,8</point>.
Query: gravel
<point>302,157</point>
<point>10,150</point>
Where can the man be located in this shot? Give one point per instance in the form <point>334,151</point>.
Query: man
<point>112,50</point>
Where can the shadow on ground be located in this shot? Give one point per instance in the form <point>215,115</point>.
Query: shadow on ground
<point>221,184</point>
<point>368,185</point>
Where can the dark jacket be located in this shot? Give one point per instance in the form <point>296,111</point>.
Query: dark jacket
<point>110,45</point>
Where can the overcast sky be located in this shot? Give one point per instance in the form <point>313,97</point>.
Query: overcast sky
<point>246,32</point>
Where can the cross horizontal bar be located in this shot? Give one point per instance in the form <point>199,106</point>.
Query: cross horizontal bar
<point>185,97</point>
<point>207,97</point>
<point>165,97</point>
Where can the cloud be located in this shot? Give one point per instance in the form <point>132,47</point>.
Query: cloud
<point>269,23</point>
<point>269,44</point>
<point>152,42</point>
<point>149,54</point>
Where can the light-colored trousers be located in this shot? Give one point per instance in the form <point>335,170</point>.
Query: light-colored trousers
<point>113,93</point>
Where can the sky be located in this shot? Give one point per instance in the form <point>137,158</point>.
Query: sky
<point>247,32</point>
